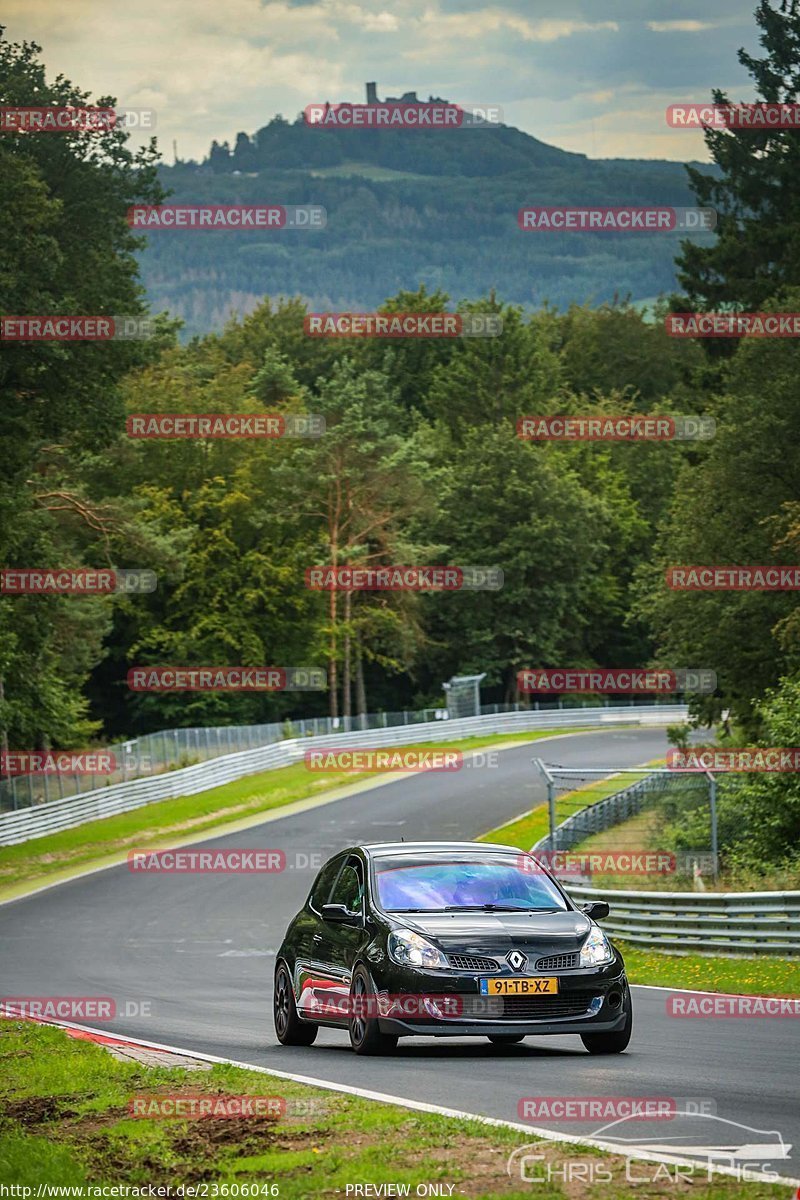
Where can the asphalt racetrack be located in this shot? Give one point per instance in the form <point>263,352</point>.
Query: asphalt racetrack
<point>198,952</point>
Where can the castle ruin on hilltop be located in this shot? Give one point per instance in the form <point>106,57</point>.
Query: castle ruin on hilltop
<point>406,98</point>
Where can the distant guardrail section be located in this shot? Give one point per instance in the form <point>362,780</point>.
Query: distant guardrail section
<point>170,749</point>
<point>703,922</point>
<point>50,816</point>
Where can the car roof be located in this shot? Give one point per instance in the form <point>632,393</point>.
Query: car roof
<point>421,849</point>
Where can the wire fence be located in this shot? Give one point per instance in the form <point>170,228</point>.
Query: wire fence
<point>662,826</point>
<point>173,749</point>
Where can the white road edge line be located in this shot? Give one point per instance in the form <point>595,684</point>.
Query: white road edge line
<point>420,1105</point>
<point>659,987</point>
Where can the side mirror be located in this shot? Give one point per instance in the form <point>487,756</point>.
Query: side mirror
<point>340,915</point>
<point>596,910</point>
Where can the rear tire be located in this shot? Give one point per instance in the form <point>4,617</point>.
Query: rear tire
<point>365,1034</point>
<point>290,1030</point>
<point>612,1043</point>
<point>505,1039</point>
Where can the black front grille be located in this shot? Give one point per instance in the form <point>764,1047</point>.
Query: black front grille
<point>470,962</point>
<point>570,1004</point>
<point>558,962</point>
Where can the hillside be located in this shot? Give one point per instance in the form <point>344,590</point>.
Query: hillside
<point>406,208</point>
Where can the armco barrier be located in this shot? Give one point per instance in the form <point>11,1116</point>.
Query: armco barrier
<point>170,749</point>
<point>704,922</point>
<point>28,823</point>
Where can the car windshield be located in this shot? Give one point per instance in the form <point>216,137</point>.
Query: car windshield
<point>493,883</point>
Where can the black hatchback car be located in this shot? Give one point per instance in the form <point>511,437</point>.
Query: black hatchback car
<point>447,939</point>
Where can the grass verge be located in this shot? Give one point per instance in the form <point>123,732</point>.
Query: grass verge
<point>764,975</point>
<point>65,1121</point>
<point>186,816</point>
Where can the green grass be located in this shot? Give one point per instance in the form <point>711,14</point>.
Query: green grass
<point>188,816</point>
<point>644,831</point>
<point>64,1120</point>
<point>761,975</point>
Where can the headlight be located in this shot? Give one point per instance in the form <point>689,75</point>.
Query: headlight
<point>410,949</point>
<point>596,951</point>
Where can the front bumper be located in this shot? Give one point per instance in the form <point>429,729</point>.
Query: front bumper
<point>588,1001</point>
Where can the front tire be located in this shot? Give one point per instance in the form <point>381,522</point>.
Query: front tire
<point>290,1030</point>
<point>612,1043</point>
<point>365,1034</point>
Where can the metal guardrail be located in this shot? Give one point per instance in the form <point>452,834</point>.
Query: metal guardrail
<point>51,816</point>
<point>170,749</point>
<point>704,922</point>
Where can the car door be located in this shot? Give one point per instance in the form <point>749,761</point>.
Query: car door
<point>341,943</point>
<point>312,981</point>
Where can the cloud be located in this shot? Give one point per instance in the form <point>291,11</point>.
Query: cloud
<point>603,96</point>
<point>382,22</point>
<point>679,26</point>
<point>476,25</point>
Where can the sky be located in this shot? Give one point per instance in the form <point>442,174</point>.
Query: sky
<point>592,76</point>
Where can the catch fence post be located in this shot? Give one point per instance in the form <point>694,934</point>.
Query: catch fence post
<point>712,796</point>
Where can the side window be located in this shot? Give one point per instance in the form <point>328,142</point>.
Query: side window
<point>349,888</point>
<point>321,889</point>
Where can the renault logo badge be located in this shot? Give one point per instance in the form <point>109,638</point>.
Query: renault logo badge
<point>517,960</point>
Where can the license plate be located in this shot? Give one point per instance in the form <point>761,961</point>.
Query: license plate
<point>519,987</point>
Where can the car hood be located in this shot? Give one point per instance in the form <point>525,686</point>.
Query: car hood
<point>490,933</point>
